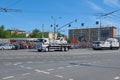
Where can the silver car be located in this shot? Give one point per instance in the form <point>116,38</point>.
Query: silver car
<point>7,46</point>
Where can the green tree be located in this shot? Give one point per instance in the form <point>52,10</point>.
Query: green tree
<point>36,33</point>
<point>2,31</point>
<point>7,34</point>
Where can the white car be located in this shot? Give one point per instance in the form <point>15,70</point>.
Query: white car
<point>7,46</point>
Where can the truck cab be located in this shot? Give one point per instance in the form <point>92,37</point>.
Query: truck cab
<point>42,44</point>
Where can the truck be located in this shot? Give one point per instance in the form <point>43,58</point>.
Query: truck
<point>110,43</point>
<point>44,44</point>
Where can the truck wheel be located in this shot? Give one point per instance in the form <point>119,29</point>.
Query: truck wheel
<point>39,50</point>
<point>46,49</point>
<point>66,49</point>
<point>62,49</point>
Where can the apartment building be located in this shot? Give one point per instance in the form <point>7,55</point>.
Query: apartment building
<point>92,34</point>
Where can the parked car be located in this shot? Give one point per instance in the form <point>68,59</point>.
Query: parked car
<point>7,46</point>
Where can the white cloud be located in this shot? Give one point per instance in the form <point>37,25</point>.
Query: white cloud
<point>113,3</point>
<point>94,6</point>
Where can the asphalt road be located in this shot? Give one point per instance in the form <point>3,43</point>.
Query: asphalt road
<point>76,64</point>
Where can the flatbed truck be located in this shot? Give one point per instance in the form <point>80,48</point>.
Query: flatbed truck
<point>59,44</point>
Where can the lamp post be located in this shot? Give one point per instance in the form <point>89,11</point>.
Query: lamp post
<point>42,30</point>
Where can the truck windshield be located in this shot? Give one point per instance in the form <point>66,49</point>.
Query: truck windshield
<point>96,42</point>
<point>58,38</point>
<point>39,40</point>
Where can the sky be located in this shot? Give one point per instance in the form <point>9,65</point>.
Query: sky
<point>35,13</point>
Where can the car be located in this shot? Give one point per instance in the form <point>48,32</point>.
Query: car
<point>97,45</point>
<point>7,46</point>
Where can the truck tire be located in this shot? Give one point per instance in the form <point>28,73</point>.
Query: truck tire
<point>46,49</point>
<point>62,48</point>
<point>39,50</point>
<point>67,48</point>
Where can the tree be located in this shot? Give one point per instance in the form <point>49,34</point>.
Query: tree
<point>36,33</point>
<point>2,32</point>
<point>7,34</point>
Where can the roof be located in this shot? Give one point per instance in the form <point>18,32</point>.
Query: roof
<point>16,30</point>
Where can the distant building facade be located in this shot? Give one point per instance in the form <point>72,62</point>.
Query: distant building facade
<point>16,31</point>
<point>50,35</point>
<point>92,34</point>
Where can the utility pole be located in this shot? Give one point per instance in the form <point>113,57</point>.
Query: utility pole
<point>54,25</point>
<point>42,30</point>
<point>99,22</point>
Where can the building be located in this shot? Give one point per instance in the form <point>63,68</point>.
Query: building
<point>16,31</point>
<point>50,35</point>
<point>92,34</point>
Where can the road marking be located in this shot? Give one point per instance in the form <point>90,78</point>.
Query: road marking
<point>29,62</point>
<point>28,68</point>
<point>60,67</point>
<point>21,66</point>
<point>68,66</point>
<point>8,77</point>
<point>17,63</point>
<point>71,79</point>
<point>37,70</point>
<point>41,71</point>
<point>50,69</point>
<point>59,76</point>
<point>26,74</point>
<point>46,72</point>
<point>116,78</point>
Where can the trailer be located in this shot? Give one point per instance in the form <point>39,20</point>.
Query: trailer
<point>44,44</point>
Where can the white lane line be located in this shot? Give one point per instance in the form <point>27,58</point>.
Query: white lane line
<point>59,76</point>
<point>28,68</point>
<point>68,66</point>
<point>8,77</point>
<point>46,72</point>
<point>29,62</point>
<point>116,78</point>
<point>21,66</point>
<point>60,68</point>
<point>17,63</point>
<point>41,71</point>
<point>37,70</point>
<point>50,69</point>
<point>71,79</point>
<point>26,74</point>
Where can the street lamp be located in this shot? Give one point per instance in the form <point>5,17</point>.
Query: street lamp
<point>68,24</point>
